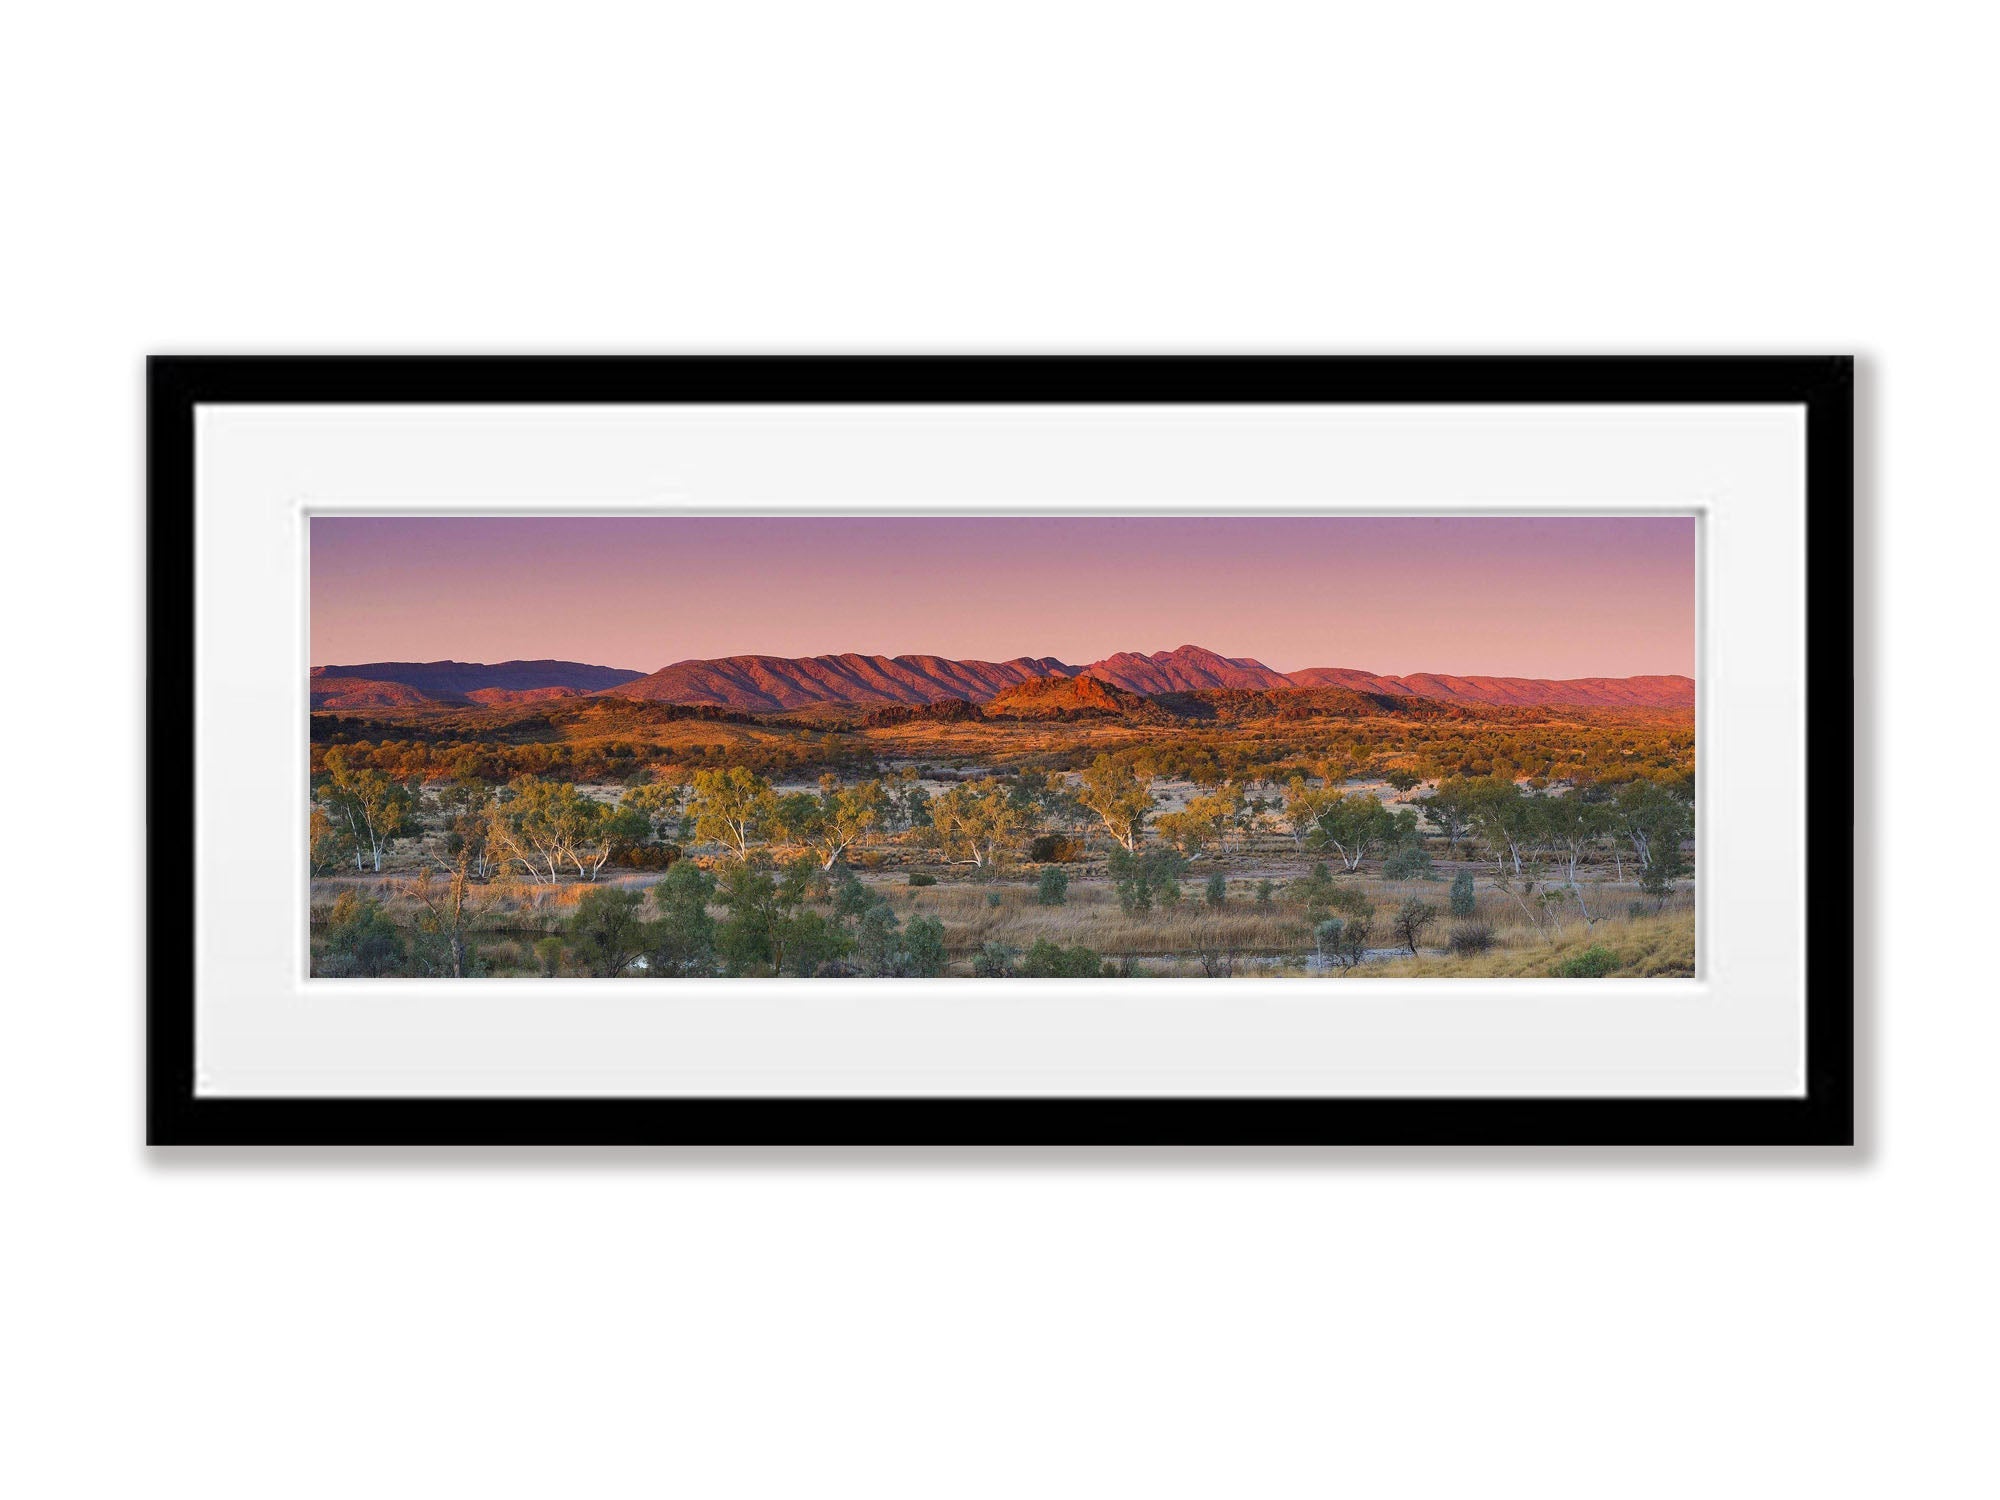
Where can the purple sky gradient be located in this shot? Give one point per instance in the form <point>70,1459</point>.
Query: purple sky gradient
<point>1508,596</point>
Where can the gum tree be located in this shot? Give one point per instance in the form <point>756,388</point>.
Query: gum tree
<point>1120,797</point>
<point>734,807</point>
<point>981,819</point>
<point>830,823</point>
<point>376,809</point>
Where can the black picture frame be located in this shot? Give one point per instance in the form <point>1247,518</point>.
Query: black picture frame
<point>178,1115</point>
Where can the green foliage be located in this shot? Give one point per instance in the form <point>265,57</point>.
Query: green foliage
<point>1410,861</point>
<point>1402,781</point>
<point>744,937</point>
<point>682,937</point>
<point>918,877</point>
<point>830,823</point>
<point>1355,825</point>
<point>1664,873</point>
<point>1120,797</point>
<point>993,961</point>
<point>551,829</point>
<point>1047,960</point>
<point>1343,940</point>
<point>361,942</point>
<point>549,954</point>
<point>1593,962</point>
<point>733,806</point>
<point>851,898</point>
<point>1142,879</point>
<point>805,943</point>
<point>660,803</point>
<point>877,942</point>
<point>923,948</point>
<point>1052,889</point>
<point>1264,892</point>
<point>770,927</point>
<point>1315,893</point>
<point>607,933</point>
<point>979,822</point>
<point>1321,895</point>
<point>1463,899</point>
<point>374,809</point>
<point>1216,891</point>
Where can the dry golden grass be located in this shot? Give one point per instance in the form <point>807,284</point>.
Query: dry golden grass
<point>1168,939</point>
<point>1646,947</point>
<point>1092,916</point>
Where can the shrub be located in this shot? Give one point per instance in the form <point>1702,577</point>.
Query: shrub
<point>1471,937</point>
<point>1142,879</point>
<point>1410,861</point>
<point>850,897</point>
<point>1315,893</point>
<point>993,898</point>
<point>1055,848</point>
<point>1322,895</point>
<point>1053,888</point>
<point>1217,962</point>
<point>1264,890</point>
<point>923,948</point>
<point>877,942</point>
<point>1412,922</point>
<point>548,952</point>
<point>1350,900</point>
<point>1593,962</point>
<point>993,961</point>
<point>918,877</point>
<point>1047,960</point>
<point>646,856</point>
<point>1217,890</point>
<point>807,942</point>
<point>1343,940</point>
<point>1462,898</point>
<point>361,941</point>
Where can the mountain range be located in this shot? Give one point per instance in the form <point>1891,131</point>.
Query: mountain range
<point>774,684</point>
<point>401,684</point>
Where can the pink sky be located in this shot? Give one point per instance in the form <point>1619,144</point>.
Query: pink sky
<point>1508,596</point>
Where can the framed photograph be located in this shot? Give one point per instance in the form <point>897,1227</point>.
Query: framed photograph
<point>1000,751</point>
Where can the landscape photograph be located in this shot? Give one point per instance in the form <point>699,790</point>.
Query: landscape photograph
<point>1320,748</point>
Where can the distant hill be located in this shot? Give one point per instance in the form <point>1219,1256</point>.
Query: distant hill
<point>363,692</point>
<point>1186,669</point>
<point>778,684</point>
<point>396,684</point>
<point>498,695</point>
<point>1084,697</point>
<point>773,683</point>
<point>1515,692</point>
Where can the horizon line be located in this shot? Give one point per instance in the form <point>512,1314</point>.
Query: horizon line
<point>997,661</point>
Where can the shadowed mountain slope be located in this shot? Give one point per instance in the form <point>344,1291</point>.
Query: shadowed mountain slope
<point>776,684</point>
<point>1516,692</point>
<point>773,683</point>
<point>456,681</point>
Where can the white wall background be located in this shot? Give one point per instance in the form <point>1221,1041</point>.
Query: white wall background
<point>1529,177</point>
